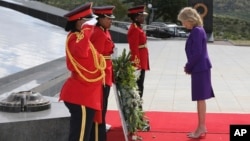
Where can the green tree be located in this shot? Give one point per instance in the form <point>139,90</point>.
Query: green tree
<point>135,2</point>
<point>167,10</point>
<point>163,10</point>
<point>120,10</point>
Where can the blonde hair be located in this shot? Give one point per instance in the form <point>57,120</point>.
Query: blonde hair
<point>190,14</point>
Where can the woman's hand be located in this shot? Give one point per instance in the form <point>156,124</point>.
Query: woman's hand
<point>186,71</point>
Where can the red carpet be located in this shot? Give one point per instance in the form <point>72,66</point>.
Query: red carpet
<point>173,126</point>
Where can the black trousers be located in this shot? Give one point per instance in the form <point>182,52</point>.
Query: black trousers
<point>81,122</point>
<point>140,82</point>
<point>102,135</point>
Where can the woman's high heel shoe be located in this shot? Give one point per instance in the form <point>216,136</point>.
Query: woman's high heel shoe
<point>194,135</point>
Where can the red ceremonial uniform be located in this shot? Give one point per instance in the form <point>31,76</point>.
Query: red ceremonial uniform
<point>137,40</point>
<point>101,39</point>
<point>76,89</point>
<point>82,92</point>
<point>103,43</point>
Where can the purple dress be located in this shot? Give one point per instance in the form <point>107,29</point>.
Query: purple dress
<point>198,64</point>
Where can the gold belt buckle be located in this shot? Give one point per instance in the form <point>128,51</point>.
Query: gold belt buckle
<point>143,46</point>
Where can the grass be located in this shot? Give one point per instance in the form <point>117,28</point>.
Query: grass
<point>240,42</point>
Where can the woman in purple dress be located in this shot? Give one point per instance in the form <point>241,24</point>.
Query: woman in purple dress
<point>198,66</point>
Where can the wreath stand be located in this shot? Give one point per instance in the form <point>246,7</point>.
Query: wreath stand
<point>118,102</point>
<point>128,99</point>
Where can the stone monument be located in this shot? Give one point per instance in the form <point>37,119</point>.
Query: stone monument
<point>205,8</point>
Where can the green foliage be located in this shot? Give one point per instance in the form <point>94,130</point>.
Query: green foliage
<point>164,10</point>
<point>226,27</point>
<point>234,8</point>
<point>135,2</point>
<point>167,10</point>
<point>120,11</point>
<point>130,100</point>
<point>231,17</point>
<point>124,70</point>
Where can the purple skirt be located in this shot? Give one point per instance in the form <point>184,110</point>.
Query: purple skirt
<point>201,85</point>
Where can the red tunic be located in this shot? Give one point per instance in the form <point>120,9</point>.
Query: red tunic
<point>137,43</point>
<point>77,90</point>
<point>103,43</point>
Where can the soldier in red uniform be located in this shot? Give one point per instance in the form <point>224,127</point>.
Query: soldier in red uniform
<point>82,91</point>
<point>103,43</point>
<point>138,43</point>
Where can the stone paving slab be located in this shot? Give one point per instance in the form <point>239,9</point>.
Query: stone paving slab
<point>168,88</point>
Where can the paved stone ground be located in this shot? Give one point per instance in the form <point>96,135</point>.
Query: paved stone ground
<point>167,87</point>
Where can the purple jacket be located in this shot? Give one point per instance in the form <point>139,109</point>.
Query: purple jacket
<point>196,51</point>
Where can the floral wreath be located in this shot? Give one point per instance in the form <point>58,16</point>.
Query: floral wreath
<point>125,75</point>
